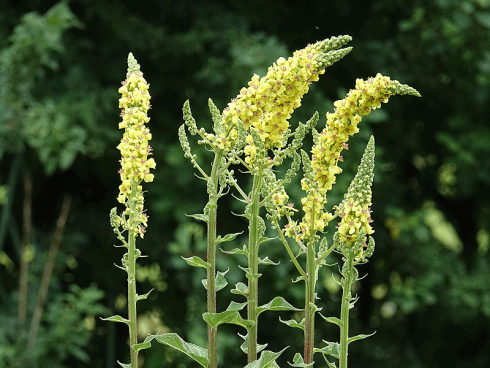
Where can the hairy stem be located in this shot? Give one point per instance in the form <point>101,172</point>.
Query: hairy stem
<point>131,268</point>
<point>311,271</point>
<point>211,259</point>
<point>347,281</point>
<point>253,264</point>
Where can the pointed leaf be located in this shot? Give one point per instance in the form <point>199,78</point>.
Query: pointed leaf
<point>333,320</point>
<point>299,278</point>
<point>293,323</point>
<point>116,319</point>
<point>234,306</point>
<point>142,346</point>
<point>199,216</point>
<point>264,239</point>
<point>173,340</point>
<point>359,337</point>
<point>267,261</point>
<point>332,348</point>
<point>220,281</point>
<point>240,289</point>
<point>144,296</point>
<point>244,346</point>
<point>230,317</point>
<point>124,365</point>
<point>243,251</point>
<point>299,362</point>
<point>267,357</point>
<point>227,237</point>
<point>277,304</point>
<point>195,261</point>
<point>330,365</point>
<point>248,273</point>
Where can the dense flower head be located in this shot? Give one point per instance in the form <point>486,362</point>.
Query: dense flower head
<point>268,102</point>
<point>134,147</point>
<point>355,209</point>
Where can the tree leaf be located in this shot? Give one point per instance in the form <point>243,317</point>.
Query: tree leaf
<point>116,319</point>
<point>293,323</point>
<point>173,340</point>
<point>266,358</point>
<point>359,337</point>
<point>195,261</point>
<point>227,237</point>
<point>277,304</point>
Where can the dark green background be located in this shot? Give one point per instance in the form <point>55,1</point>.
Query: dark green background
<point>427,293</point>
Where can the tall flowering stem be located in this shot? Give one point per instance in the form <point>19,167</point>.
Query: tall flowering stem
<point>135,168</point>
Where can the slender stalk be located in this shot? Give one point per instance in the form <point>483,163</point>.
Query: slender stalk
<point>253,264</point>
<point>48,269</point>
<point>131,268</point>
<point>311,271</point>
<point>344,312</point>
<point>26,239</point>
<point>211,259</point>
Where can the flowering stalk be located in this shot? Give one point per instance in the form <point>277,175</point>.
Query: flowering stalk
<point>135,168</point>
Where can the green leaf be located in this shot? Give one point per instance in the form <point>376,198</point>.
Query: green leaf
<point>227,237</point>
<point>267,261</point>
<point>299,362</point>
<point>144,296</point>
<point>124,365</point>
<point>277,304</point>
<point>243,251</point>
<point>332,348</point>
<point>142,346</point>
<point>334,320</point>
<point>264,239</point>
<point>240,289</point>
<point>173,340</point>
<point>330,365</point>
<point>220,281</point>
<point>230,317</point>
<point>244,346</point>
<point>234,306</point>
<point>199,216</point>
<point>359,337</point>
<point>248,273</point>
<point>266,358</point>
<point>195,261</point>
<point>116,319</point>
<point>293,323</point>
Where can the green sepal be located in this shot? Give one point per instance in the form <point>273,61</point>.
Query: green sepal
<point>144,345</point>
<point>359,337</point>
<point>293,323</point>
<point>116,319</point>
<point>220,281</point>
<point>267,261</point>
<point>248,273</point>
<point>227,237</point>
<point>277,304</point>
<point>144,296</point>
<point>332,348</point>
<point>230,316</point>
<point>216,116</point>
<point>124,365</point>
<point>299,362</point>
<point>266,360</point>
<point>240,289</point>
<point>243,252</point>
<point>189,119</point>
<point>173,340</point>
<point>195,261</point>
<point>244,346</point>
<point>333,320</point>
<point>199,216</point>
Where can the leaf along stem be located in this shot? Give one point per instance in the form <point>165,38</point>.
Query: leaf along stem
<point>346,301</point>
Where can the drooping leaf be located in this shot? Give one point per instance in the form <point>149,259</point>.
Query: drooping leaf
<point>293,323</point>
<point>244,346</point>
<point>277,304</point>
<point>334,320</point>
<point>124,365</point>
<point>195,261</point>
<point>359,337</point>
<point>173,340</point>
<point>267,358</point>
<point>116,319</point>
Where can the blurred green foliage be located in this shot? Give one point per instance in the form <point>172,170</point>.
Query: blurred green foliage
<point>426,292</point>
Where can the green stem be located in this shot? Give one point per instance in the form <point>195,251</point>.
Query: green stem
<point>346,300</point>
<point>310,295</point>
<point>253,264</point>
<point>211,259</point>
<point>132,296</point>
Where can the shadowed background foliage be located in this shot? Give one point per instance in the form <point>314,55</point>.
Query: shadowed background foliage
<point>427,292</point>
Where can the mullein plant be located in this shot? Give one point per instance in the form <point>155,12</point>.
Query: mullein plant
<point>253,132</point>
<point>135,169</point>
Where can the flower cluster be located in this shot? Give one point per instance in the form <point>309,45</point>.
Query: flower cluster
<point>268,102</point>
<point>134,147</point>
<point>354,211</point>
